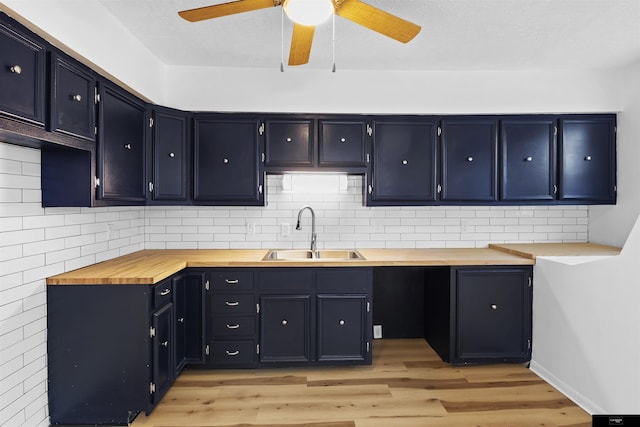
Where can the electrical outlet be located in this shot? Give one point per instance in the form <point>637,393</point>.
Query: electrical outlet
<point>111,231</point>
<point>285,229</point>
<point>377,332</point>
<point>251,228</point>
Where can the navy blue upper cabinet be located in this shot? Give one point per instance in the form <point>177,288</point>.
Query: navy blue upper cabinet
<point>342,143</point>
<point>170,154</point>
<point>121,146</point>
<point>227,168</point>
<point>22,75</point>
<point>404,170</point>
<point>289,143</point>
<point>469,159</point>
<point>73,106</point>
<point>588,159</point>
<point>528,153</point>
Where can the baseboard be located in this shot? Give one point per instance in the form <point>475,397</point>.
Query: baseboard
<point>566,389</point>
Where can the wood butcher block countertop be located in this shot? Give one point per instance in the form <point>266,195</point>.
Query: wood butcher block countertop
<point>152,266</point>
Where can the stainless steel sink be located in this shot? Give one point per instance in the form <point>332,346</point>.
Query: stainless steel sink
<point>308,255</point>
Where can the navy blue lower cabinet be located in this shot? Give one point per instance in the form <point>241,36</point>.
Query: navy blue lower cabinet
<point>285,328</point>
<point>479,314</point>
<point>101,357</point>
<point>112,348</point>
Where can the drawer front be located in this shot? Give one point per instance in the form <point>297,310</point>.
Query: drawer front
<point>162,293</point>
<point>234,326</point>
<point>232,280</point>
<point>286,279</point>
<point>233,353</point>
<point>232,304</point>
<point>344,280</point>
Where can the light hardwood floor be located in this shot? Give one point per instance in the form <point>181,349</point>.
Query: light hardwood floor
<point>407,386</point>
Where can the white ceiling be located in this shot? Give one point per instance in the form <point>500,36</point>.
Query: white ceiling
<point>456,35</point>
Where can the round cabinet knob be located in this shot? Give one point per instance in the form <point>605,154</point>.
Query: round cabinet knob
<point>588,158</point>
<point>284,322</point>
<point>341,322</point>
<point>181,320</point>
<point>405,162</point>
<point>165,344</point>
<point>77,98</point>
<point>225,161</point>
<point>172,155</point>
<point>16,69</point>
<point>289,139</point>
<point>469,159</point>
<point>127,146</point>
<point>494,307</point>
<point>343,140</point>
<point>528,159</point>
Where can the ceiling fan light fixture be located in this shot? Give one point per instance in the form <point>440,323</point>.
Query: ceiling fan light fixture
<point>308,12</point>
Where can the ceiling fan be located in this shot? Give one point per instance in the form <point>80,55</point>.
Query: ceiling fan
<point>354,10</point>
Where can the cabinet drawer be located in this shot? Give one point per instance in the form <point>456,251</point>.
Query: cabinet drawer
<point>162,294</point>
<point>232,304</point>
<point>232,353</point>
<point>234,326</point>
<point>286,279</point>
<point>232,280</point>
<point>343,280</point>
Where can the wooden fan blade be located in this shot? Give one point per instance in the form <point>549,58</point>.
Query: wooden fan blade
<point>301,44</point>
<point>224,9</point>
<point>378,20</point>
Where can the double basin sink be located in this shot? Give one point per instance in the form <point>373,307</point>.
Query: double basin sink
<point>308,255</point>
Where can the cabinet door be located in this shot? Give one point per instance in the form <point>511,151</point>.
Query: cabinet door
<point>289,143</point>
<point>227,163</point>
<point>73,106</point>
<point>121,165</point>
<point>285,333</point>
<point>492,314</point>
<point>588,159</point>
<point>22,76</point>
<point>190,322</point>
<point>342,333</point>
<point>342,144</point>
<point>170,155</point>
<point>404,163</point>
<point>469,160</point>
<point>162,346</point>
<point>528,159</point>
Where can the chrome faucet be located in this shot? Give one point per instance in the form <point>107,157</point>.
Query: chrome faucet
<point>313,227</point>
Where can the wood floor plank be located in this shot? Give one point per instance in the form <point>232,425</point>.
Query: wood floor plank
<point>407,385</point>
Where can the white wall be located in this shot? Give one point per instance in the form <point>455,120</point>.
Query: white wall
<point>435,92</point>
<point>586,329</point>
<point>612,224</point>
